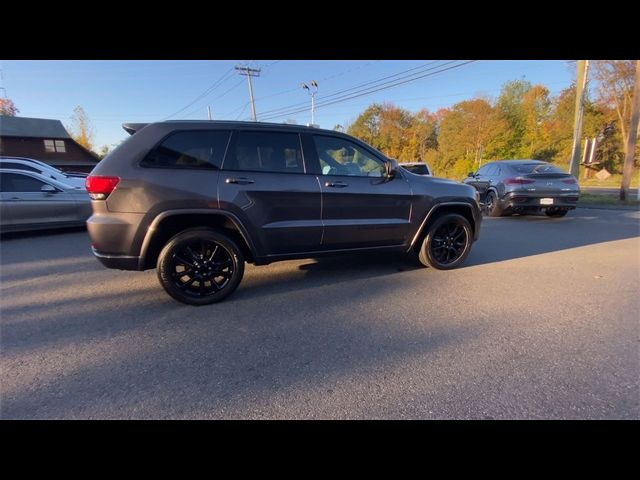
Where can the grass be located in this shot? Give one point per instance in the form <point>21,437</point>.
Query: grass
<point>613,181</point>
<point>608,200</point>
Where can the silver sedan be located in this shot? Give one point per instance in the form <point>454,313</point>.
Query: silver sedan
<point>30,201</point>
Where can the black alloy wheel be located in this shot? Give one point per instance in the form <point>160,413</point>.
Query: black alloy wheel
<point>447,243</point>
<point>201,266</point>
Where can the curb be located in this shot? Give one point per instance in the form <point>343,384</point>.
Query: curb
<point>596,206</point>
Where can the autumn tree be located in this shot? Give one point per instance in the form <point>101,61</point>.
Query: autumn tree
<point>470,133</point>
<point>615,91</point>
<point>8,108</point>
<point>81,129</point>
<point>510,106</point>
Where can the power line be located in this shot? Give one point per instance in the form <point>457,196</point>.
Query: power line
<point>340,92</point>
<point>211,88</point>
<point>402,74</point>
<point>369,91</point>
<point>249,73</point>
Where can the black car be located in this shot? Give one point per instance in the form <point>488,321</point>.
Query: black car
<point>197,199</point>
<point>525,186</point>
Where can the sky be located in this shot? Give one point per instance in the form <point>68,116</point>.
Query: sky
<point>114,92</point>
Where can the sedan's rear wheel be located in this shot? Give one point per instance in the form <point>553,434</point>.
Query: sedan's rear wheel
<point>447,242</point>
<point>200,266</point>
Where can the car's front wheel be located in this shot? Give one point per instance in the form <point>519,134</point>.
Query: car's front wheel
<point>200,266</point>
<point>447,242</point>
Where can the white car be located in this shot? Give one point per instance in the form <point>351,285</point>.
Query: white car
<point>419,168</point>
<point>36,166</point>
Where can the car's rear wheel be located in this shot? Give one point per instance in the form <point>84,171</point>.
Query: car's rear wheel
<point>200,266</point>
<point>556,212</point>
<point>492,208</point>
<point>447,242</point>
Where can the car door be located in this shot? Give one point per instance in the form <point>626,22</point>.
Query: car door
<point>23,203</point>
<point>482,179</point>
<point>361,207</point>
<point>264,183</point>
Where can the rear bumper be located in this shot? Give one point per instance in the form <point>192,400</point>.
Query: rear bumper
<point>118,262</point>
<point>528,201</point>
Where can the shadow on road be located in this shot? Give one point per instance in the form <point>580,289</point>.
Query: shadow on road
<point>508,238</point>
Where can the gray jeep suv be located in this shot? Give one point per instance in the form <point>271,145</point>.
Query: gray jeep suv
<point>196,199</point>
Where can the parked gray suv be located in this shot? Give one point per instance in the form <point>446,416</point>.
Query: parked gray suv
<point>196,199</point>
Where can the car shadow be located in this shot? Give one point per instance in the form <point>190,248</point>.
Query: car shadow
<point>517,236</point>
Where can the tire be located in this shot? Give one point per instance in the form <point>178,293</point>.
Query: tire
<point>492,208</point>
<point>194,252</point>
<point>441,233</point>
<point>556,212</point>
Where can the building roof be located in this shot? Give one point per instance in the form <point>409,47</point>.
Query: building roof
<point>32,127</point>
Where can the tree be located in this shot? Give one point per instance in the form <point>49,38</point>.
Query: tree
<point>510,106</point>
<point>469,133</point>
<point>81,129</point>
<point>8,108</point>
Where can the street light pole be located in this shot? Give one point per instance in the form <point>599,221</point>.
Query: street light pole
<point>314,84</point>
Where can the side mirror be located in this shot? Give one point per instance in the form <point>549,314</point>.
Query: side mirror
<point>392,168</point>
<point>46,188</point>
<point>471,174</point>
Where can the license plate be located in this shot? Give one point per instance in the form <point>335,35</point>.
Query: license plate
<point>546,201</point>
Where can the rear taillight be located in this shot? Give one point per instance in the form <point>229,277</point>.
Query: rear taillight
<point>99,188</point>
<point>570,181</point>
<point>518,181</point>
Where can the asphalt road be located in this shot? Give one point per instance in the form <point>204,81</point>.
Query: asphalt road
<point>541,322</point>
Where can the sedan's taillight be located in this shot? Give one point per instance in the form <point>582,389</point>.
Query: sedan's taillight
<point>518,181</point>
<point>570,181</point>
<point>99,187</point>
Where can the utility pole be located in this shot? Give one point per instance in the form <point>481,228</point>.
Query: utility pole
<point>209,111</point>
<point>581,82</point>
<point>250,72</point>
<point>314,84</point>
<point>627,170</point>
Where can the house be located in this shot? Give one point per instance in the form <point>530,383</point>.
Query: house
<point>45,140</point>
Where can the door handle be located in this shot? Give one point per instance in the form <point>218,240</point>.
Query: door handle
<point>336,184</point>
<point>239,181</point>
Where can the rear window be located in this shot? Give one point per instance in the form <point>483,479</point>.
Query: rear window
<point>536,168</point>
<point>202,149</point>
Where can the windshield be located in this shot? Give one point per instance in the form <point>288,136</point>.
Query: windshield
<point>536,168</point>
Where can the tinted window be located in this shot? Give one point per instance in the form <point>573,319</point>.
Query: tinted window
<point>14,182</point>
<point>266,152</point>
<point>18,166</point>
<point>203,149</point>
<point>536,168</point>
<point>341,157</point>
<point>485,170</point>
